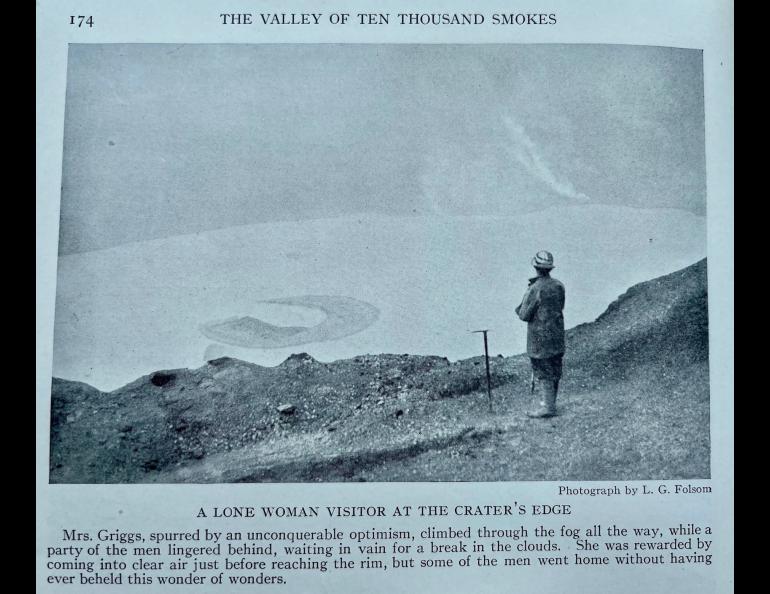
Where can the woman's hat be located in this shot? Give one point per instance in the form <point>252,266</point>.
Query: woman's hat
<point>543,260</point>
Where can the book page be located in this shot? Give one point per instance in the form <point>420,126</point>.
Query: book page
<point>370,297</point>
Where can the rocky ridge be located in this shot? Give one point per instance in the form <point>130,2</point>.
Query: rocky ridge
<point>633,378</point>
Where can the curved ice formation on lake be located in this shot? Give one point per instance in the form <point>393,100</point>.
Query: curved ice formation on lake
<point>344,316</point>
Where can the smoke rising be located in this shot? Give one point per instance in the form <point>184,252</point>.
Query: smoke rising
<point>527,154</point>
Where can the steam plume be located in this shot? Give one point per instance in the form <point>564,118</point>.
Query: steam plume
<point>526,153</point>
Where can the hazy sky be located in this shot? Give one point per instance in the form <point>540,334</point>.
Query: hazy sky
<point>168,139</point>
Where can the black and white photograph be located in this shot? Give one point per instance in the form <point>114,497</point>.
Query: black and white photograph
<point>321,262</point>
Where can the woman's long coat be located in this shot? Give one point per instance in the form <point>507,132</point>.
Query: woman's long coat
<point>542,307</point>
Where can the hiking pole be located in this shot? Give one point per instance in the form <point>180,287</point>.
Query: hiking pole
<point>486,360</point>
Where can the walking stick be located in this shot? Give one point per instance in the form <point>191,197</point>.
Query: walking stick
<point>486,360</point>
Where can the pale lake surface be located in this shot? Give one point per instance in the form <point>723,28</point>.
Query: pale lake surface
<point>348,286</point>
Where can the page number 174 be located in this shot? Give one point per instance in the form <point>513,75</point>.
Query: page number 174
<point>82,20</point>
